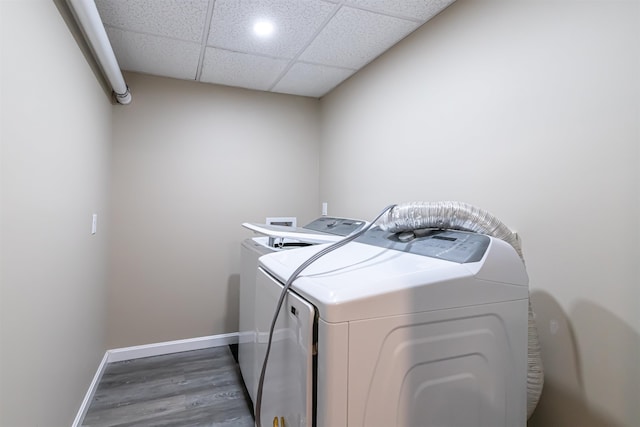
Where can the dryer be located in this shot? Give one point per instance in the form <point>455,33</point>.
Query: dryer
<point>430,332</point>
<point>275,238</point>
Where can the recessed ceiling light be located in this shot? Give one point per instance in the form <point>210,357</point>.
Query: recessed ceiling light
<point>263,28</point>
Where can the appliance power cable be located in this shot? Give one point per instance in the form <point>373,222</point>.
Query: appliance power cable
<point>283,294</point>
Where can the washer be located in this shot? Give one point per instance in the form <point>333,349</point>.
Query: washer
<point>428,331</point>
<point>276,238</point>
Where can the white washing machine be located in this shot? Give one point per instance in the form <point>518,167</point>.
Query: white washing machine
<point>426,333</point>
<point>276,238</point>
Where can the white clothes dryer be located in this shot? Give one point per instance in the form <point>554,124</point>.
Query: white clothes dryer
<point>430,332</point>
<point>275,238</point>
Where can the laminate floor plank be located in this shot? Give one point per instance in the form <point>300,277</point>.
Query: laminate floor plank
<point>191,389</point>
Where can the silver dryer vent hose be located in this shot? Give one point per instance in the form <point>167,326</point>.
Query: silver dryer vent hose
<point>461,216</point>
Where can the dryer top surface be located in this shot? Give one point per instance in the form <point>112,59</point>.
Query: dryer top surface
<point>362,280</point>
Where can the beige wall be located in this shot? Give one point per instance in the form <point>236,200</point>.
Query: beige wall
<point>530,110</point>
<point>55,130</point>
<point>191,162</point>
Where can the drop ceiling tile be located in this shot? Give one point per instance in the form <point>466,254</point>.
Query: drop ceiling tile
<point>422,10</point>
<point>154,55</point>
<point>295,22</point>
<point>311,80</point>
<point>181,19</point>
<point>355,37</point>
<point>240,69</point>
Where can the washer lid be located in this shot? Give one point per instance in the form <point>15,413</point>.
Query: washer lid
<point>361,281</point>
<point>296,233</point>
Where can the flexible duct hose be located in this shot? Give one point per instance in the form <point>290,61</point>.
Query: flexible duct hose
<point>461,216</point>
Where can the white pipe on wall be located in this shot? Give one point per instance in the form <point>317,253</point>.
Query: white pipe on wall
<point>88,18</point>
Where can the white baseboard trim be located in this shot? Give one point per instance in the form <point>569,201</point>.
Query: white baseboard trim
<point>88,397</point>
<point>148,350</point>
<point>158,349</point>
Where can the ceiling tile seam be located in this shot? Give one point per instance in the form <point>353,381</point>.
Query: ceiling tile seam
<point>244,52</point>
<point>203,41</point>
<point>152,34</point>
<point>337,67</point>
<point>293,60</point>
<point>389,14</point>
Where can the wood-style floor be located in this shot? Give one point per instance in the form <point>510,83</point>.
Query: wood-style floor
<point>191,389</point>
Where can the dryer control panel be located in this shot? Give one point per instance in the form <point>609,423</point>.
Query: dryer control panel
<point>450,245</point>
<point>337,226</point>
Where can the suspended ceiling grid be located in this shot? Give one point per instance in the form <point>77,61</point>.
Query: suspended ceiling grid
<point>313,46</point>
